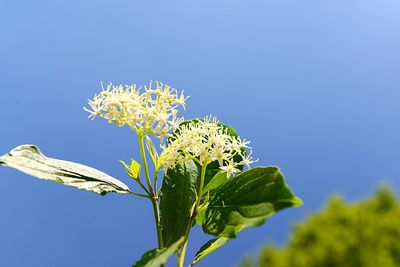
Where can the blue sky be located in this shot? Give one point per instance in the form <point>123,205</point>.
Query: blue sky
<point>314,84</point>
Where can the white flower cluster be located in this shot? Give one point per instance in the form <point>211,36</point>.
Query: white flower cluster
<point>205,141</point>
<point>149,111</point>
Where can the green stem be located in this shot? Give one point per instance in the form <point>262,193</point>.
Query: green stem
<point>155,181</point>
<point>138,195</point>
<point>203,174</point>
<point>144,160</point>
<point>153,195</point>
<point>144,187</point>
<point>156,210</point>
<point>181,257</point>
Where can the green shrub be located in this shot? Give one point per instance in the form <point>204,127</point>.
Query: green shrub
<point>363,234</point>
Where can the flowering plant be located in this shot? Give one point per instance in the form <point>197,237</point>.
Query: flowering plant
<point>202,162</point>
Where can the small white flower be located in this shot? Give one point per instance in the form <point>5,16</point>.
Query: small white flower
<point>247,160</point>
<point>230,169</point>
<point>149,111</point>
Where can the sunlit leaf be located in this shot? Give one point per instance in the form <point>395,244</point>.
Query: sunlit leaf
<point>218,180</point>
<point>132,170</point>
<point>209,247</point>
<point>157,257</point>
<point>29,159</point>
<point>247,200</point>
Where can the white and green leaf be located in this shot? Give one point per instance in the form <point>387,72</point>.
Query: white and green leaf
<point>30,160</point>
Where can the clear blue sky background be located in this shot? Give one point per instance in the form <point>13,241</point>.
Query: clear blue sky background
<point>314,84</point>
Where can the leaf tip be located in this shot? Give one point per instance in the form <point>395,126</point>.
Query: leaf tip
<point>297,202</point>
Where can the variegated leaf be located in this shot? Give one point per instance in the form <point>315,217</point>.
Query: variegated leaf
<point>29,159</point>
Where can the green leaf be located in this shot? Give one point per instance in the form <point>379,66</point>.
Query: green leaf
<point>247,200</point>
<point>29,159</point>
<point>209,247</point>
<point>153,152</point>
<point>219,179</point>
<point>132,170</point>
<point>200,216</point>
<point>178,197</point>
<point>157,257</point>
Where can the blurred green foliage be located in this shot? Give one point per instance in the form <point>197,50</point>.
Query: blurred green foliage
<point>362,234</point>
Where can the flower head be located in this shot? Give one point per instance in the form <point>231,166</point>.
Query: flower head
<point>205,141</point>
<point>148,111</point>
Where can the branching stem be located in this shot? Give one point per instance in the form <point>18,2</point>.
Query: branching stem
<point>181,256</point>
<point>153,196</point>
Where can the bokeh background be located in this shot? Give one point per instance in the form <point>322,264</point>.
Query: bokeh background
<point>314,84</point>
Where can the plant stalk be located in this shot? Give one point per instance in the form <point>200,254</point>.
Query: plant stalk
<point>156,210</point>
<point>181,257</point>
<point>144,160</point>
<point>153,195</point>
